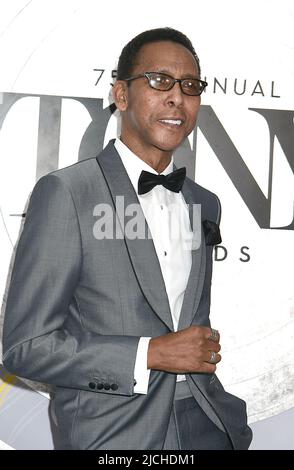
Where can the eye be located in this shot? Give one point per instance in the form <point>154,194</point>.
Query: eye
<point>192,86</point>
<point>162,79</point>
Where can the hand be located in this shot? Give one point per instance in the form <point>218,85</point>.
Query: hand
<point>185,351</point>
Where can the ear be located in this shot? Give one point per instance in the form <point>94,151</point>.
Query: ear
<point>120,94</point>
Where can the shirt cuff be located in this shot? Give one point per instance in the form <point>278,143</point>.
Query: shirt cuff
<point>141,373</point>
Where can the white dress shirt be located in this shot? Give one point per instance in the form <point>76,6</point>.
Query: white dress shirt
<point>167,216</point>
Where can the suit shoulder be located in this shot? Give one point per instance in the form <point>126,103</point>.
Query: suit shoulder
<point>75,170</point>
<point>211,206</point>
<point>75,176</point>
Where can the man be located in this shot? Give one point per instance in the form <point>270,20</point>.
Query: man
<point>119,325</point>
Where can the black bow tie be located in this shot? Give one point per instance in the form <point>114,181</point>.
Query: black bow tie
<point>173,181</point>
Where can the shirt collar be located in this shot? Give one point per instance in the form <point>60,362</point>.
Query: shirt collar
<point>134,165</point>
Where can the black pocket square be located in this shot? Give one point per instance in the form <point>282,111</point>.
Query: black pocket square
<point>211,232</point>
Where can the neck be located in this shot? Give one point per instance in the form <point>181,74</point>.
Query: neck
<point>156,158</point>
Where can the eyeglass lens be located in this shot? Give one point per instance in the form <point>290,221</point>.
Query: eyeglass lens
<point>189,86</point>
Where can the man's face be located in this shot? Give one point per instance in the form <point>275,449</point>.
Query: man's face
<point>143,109</point>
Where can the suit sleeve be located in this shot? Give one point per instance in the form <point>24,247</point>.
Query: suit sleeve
<point>46,271</point>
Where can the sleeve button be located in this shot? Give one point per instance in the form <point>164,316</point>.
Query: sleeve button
<point>106,387</point>
<point>92,385</point>
<point>114,386</point>
<point>99,386</point>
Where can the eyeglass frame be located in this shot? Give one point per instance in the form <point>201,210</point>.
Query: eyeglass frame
<point>175,80</point>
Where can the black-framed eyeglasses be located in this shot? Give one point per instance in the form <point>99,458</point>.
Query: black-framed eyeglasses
<point>164,82</point>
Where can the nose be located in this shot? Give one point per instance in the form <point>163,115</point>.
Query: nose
<point>175,96</point>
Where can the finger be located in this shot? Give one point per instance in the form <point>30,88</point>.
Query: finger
<point>212,346</point>
<point>209,368</point>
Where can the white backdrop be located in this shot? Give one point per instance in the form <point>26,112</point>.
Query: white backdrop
<point>245,135</point>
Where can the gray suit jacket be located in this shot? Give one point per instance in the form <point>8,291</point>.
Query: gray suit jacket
<point>77,307</point>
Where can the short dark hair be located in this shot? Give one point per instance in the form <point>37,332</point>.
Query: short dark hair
<point>130,51</point>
